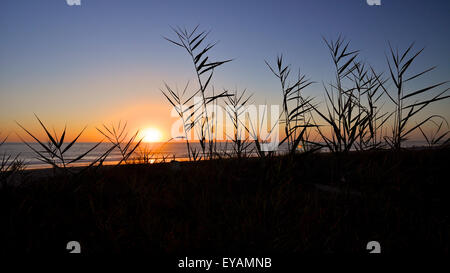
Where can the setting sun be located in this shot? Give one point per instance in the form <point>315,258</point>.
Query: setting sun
<point>151,135</point>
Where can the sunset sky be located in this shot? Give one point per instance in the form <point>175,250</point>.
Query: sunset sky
<point>106,60</point>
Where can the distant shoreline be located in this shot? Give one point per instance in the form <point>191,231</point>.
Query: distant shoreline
<point>111,163</point>
<point>43,166</point>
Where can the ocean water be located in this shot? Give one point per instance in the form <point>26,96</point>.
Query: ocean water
<point>157,152</point>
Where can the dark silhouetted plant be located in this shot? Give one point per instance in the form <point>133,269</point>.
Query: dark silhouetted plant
<point>344,112</point>
<point>368,93</point>
<point>437,137</point>
<point>295,107</point>
<point>236,106</point>
<point>55,150</point>
<point>194,42</point>
<point>186,109</point>
<point>405,110</point>
<point>118,137</point>
<point>9,165</point>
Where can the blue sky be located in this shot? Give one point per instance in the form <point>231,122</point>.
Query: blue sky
<point>102,60</point>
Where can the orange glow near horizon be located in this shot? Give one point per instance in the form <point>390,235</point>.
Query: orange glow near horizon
<point>151,135</point>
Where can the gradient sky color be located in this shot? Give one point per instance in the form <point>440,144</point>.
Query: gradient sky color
<point>106,60</point>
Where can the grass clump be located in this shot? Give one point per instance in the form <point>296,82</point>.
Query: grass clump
<point>194,42</point>
<point>55,150</point>
<point>399,64</point>
<point>9,165</point>
<point>117,136</point>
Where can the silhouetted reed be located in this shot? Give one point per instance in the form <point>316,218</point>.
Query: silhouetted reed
<point>194,42</point>
<point>236,107</point>
<point>343,110</point>
<point>399,63</point>
<point>186,110</point>
<point>437,137</point>
<point>368,94</point>
<point>117,136</point>
<point>55,149</point>
<point>296,108</point>
<point>9,165</point>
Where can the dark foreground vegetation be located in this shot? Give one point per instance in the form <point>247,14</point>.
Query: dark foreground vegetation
<point>308,203</point>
